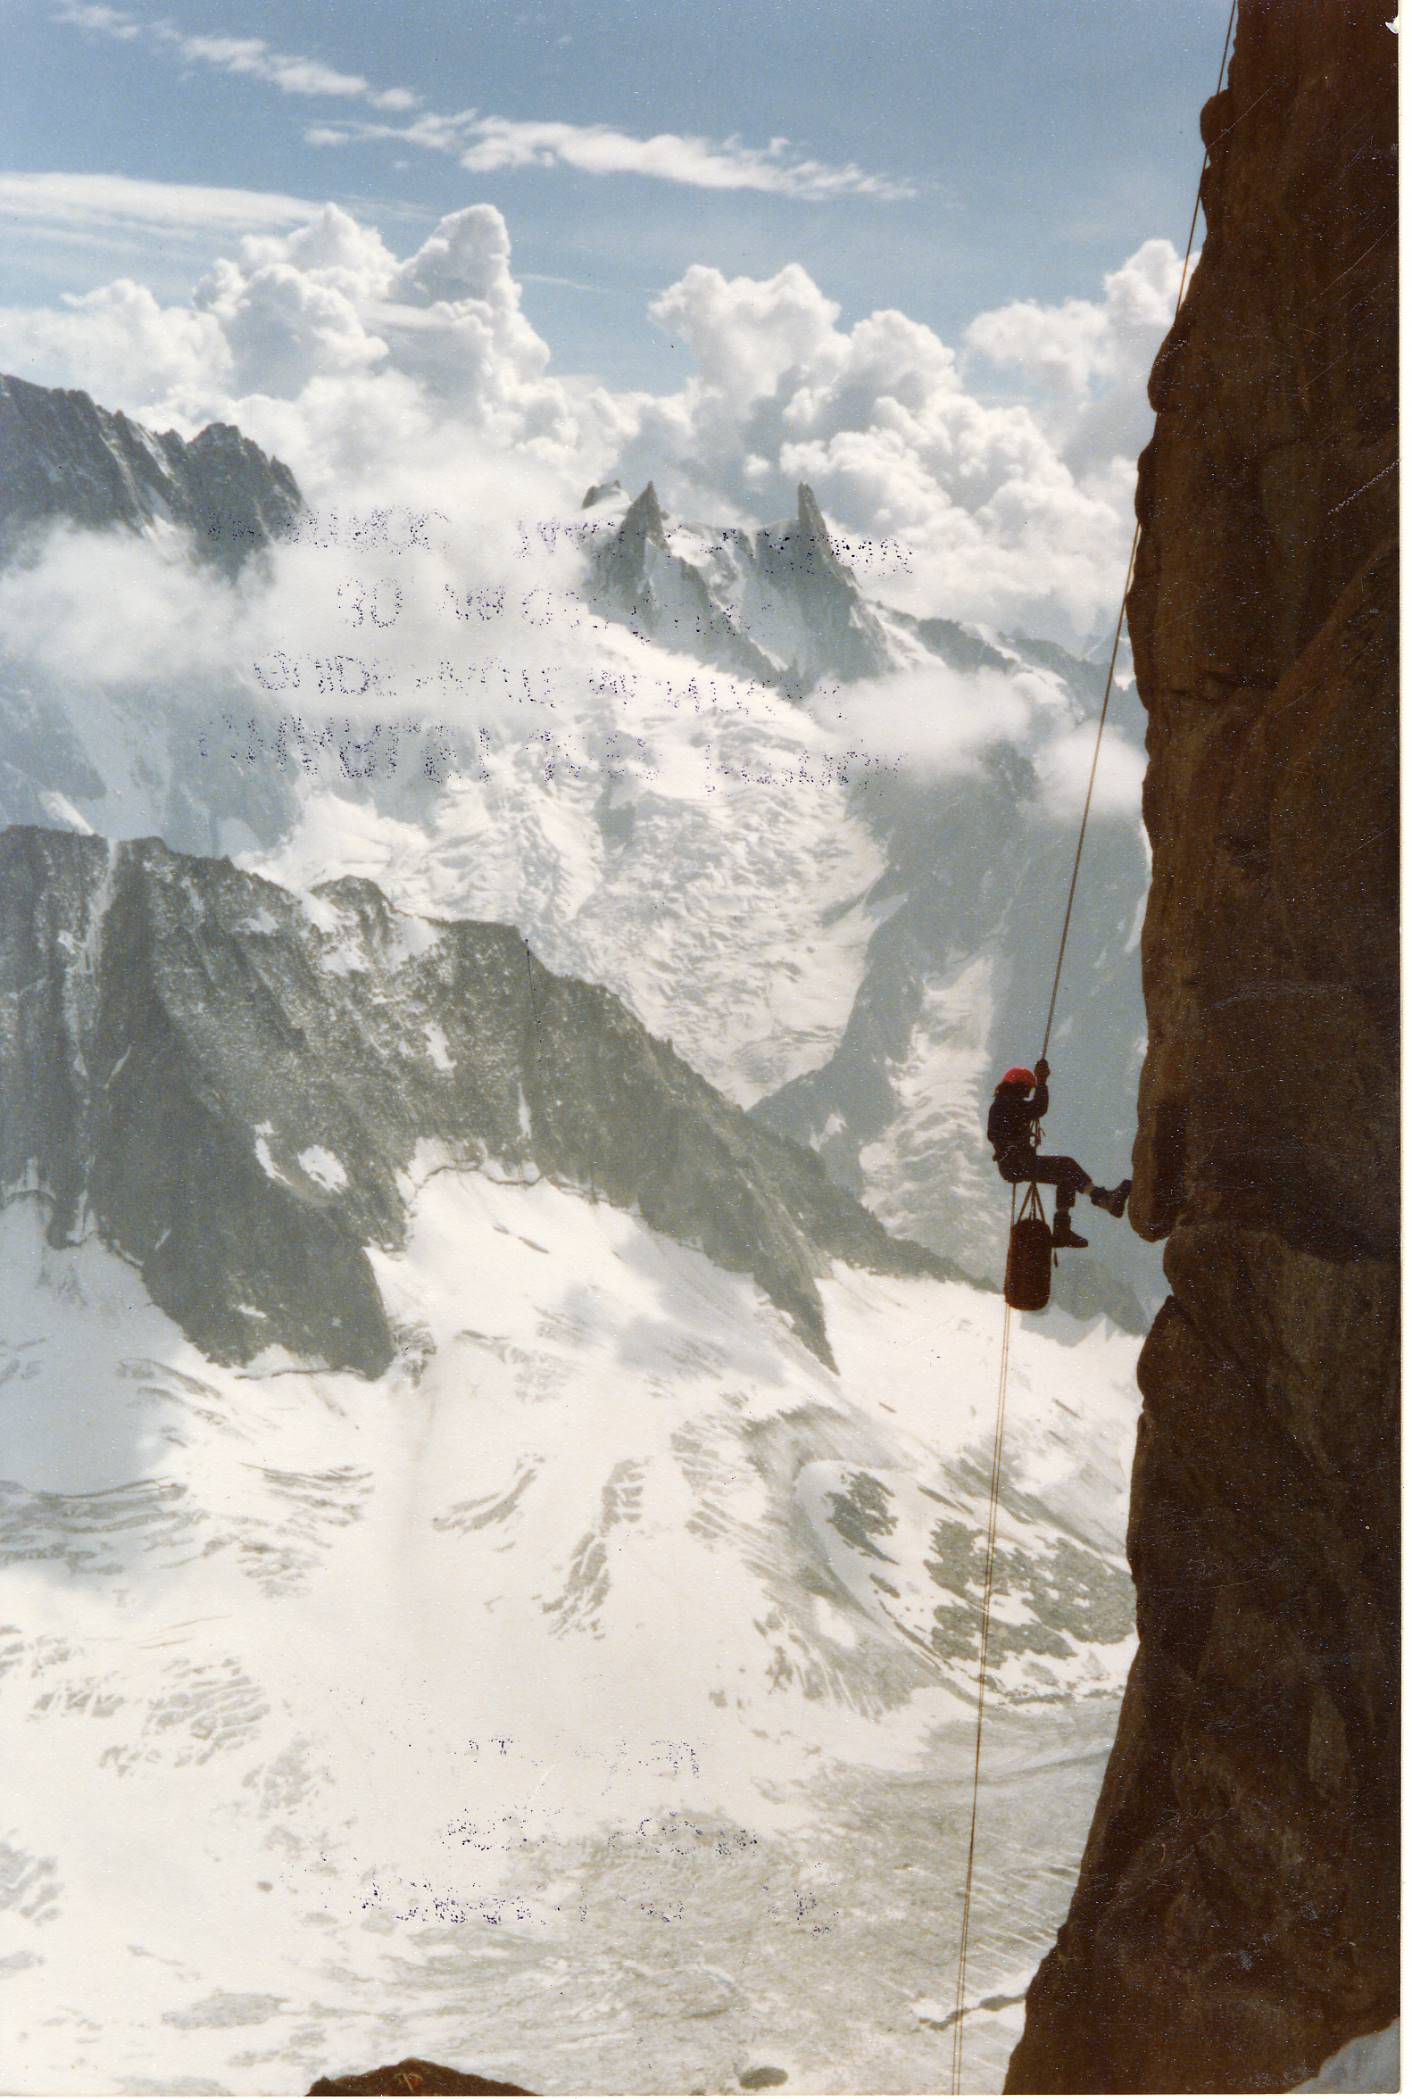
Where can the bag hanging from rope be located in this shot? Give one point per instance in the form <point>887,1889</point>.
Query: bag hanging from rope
<point>1030,1258</point>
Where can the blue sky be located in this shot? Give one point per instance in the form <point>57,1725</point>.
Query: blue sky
<point>968,152</point>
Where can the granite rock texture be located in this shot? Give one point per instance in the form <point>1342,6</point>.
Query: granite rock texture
<point>1235,1919</point>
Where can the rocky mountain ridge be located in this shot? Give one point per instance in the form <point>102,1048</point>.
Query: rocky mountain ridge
<point>63,458</point>
<point>235,1087</point>
<point>776,604</point>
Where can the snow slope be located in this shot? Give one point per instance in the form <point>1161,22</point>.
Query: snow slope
<point>721,889</point>
<point>584,1699</point>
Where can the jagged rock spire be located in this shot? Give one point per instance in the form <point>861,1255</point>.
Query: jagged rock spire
<point>811,518</point>
<point>643,517</point>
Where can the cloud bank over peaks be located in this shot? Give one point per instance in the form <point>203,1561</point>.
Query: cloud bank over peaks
<point>1005,467</point>
<point>350,363</point>
<point>1017,511</point>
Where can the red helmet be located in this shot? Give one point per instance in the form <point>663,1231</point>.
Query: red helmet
<point>1017,1075</point>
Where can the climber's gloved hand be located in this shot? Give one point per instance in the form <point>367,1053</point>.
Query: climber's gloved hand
<point>1041,1071</point>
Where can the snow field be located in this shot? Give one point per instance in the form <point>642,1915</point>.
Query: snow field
<point>546,1641</point>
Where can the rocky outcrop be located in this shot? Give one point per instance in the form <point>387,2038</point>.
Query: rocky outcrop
<point>806,600</point>
<point>231,1083</point>
<point>62,458</point>
<point>1235,1920</point>
<point>412,2075</point>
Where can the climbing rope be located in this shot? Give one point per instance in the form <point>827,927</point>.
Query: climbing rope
<point>1123,600</point>
<point>958,2022</point>
<point>1092,776</point>
<point>997,1448</point>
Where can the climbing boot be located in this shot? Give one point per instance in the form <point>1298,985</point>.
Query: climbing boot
<point>1113,1200</point>
<point>1064,1233</point>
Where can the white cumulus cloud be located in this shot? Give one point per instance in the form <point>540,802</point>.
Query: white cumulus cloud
<point>1005,468</point>
<point>1017,511</point>
<point>121,345</point>
<point>1089,358</point>
<point>328,348</point>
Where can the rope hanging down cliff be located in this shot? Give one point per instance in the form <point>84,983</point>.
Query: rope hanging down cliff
<point>998,1441</point>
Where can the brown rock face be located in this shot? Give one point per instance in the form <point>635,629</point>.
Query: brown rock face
<point>414,2076</point>
<point>1235,1920</point>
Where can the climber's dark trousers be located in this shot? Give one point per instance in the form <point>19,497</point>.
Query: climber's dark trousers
<point>1065,1176</point>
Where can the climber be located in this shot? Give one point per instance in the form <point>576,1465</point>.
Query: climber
<point>1010,1126</point>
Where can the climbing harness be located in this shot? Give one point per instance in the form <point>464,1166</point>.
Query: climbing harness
<point>1023,1262</point>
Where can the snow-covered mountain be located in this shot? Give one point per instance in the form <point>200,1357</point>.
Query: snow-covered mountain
<point>232,1085</point>
<point>583,1698</point>
<point>776,604</point>
<point>967,901</point>
<point>491,1496</point>
<point>782,602</point>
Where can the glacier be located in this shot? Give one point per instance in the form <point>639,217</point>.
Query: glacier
<point>563,1700</point>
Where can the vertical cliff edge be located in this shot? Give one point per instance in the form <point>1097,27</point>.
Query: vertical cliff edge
<point>1235,1919</point>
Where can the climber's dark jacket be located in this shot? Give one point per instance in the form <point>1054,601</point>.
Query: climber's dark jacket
<point>1010,1123</point>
